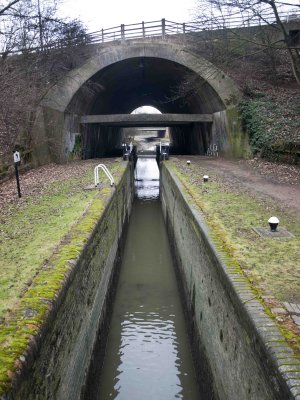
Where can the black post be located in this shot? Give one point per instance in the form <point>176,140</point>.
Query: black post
<point>17,178</point>
<point>122,32</point>
<point>163,28</point>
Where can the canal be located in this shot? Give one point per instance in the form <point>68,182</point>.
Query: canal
<point>147,354</point>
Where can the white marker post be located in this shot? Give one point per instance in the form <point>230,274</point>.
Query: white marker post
<point>273,222</point>
<point>17,161</point>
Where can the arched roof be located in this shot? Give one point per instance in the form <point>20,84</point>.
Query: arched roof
<point>115,65</point>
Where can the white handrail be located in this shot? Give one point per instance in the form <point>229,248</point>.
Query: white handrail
<point>107,173</point>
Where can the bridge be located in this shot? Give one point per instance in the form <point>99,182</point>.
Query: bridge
<point>140,66</point>
<point>96,100</point>
<point>145,120</point>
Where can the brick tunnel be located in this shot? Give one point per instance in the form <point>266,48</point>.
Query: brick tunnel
<point>118,79</point>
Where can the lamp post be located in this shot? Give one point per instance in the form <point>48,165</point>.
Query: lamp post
<point>17,161</point>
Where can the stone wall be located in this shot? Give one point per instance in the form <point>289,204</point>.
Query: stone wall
<point>228,134</point>
<point>60,362</point>
<point>238,348</point>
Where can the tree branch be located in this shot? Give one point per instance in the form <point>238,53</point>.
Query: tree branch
<point>9,5</point>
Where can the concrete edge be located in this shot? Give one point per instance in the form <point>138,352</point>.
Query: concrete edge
<point>266,335</point>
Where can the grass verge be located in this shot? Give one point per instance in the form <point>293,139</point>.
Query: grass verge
<point>270,265</point>
<point>40,243</point>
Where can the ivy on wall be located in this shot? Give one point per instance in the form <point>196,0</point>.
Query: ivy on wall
<point>273,124</point>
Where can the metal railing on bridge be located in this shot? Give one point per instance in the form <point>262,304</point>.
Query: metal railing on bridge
<point>164,28</point>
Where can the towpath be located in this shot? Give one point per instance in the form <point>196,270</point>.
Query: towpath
<point>281,182</point>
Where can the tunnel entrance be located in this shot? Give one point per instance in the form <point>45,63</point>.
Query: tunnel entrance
<point>161,84</point>
<point>145,139</point>
<point>121,78</point>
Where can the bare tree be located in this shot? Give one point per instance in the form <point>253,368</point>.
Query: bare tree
<point>33,24</point>
<point>25,75</point>
<point>221,13</point>
<point>5,7</point>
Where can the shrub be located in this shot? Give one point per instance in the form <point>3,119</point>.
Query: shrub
<point>271,122</point>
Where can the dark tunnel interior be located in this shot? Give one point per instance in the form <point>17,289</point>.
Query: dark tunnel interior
<point>126,85</point>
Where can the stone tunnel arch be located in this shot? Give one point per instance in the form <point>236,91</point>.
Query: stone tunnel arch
<point>119,78</point>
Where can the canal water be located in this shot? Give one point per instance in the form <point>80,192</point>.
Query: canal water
<point>147,355</point>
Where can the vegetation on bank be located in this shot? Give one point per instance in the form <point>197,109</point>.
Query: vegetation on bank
<point>39,244</point>
<point>273,125</point>
<point>264,61</point>
<point>271,265</point>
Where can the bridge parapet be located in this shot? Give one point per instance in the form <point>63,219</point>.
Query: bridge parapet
<point>164,28</point>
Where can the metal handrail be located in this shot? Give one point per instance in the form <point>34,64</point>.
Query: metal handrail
<point>163,28</point>
<point>107,173</point>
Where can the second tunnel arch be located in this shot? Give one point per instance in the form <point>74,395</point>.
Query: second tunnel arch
<point>112,70</point>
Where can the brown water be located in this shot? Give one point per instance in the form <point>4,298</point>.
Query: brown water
<point>147,355</point>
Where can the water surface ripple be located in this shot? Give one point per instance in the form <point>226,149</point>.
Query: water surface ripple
<point>147,355</point>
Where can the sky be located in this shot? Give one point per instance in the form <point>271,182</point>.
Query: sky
<point>96,14</point>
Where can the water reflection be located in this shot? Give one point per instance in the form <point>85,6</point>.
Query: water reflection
<point>147,178</point>
<point>147,354</point>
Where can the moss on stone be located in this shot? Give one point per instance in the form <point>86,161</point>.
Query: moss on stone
<point>238,138</point>
<point>218,206</point>
<point>28,316</point>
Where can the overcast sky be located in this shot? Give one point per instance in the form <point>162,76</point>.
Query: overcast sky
<point>97,14</point>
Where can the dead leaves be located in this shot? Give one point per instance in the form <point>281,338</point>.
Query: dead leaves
<point>281,173</point>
